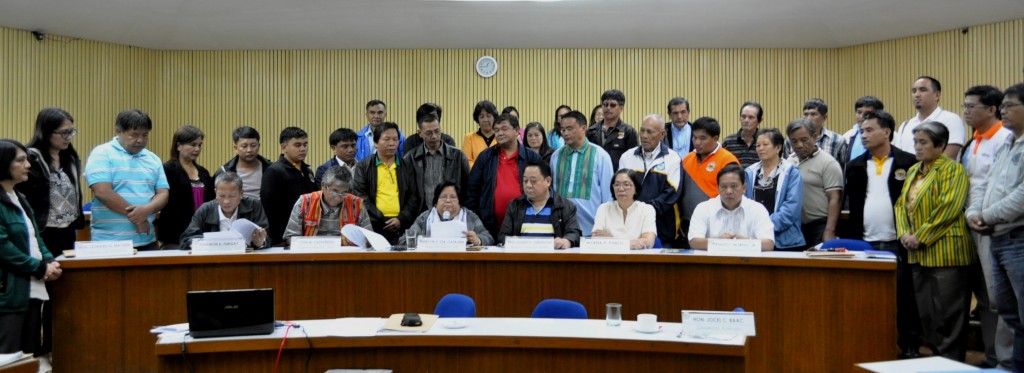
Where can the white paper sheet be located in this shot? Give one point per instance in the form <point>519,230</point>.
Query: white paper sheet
<point>245,228</point>
<point>350,327</point>
<point>363,237</point>
<point>448,229</point>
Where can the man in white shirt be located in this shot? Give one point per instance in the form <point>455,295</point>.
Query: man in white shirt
<point>731,215</point>
<point>926,92</point>
<point>981,112</point>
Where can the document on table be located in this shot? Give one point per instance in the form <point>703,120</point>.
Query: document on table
<point>363,237</point>
<point>244,227</point>
<point>928,364</point>
<point>448,229</point>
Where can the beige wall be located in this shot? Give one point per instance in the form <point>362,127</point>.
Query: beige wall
<point>322,90</point>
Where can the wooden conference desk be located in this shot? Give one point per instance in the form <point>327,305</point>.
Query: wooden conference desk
<point>813,315</point>
<point>486,345</point>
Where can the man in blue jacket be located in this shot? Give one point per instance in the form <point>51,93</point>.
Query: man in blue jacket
<point>496,177</point>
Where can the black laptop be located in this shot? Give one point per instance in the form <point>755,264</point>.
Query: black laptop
<point>224,313</point>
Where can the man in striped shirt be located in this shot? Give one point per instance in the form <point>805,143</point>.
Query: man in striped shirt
<point>128,183</point>
<point>539,212</point>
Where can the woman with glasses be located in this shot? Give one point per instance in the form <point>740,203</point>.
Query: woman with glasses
<point>625,217</point>
<point>53,192</point>
<point>324,212</point>
<point>229,205</point>
<point>24,261</point>
<point>190,186</point>
<point>448,208</point>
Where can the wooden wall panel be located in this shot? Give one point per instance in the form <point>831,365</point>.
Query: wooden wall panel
<point>320,90</point>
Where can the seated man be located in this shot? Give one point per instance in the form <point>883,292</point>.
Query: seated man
<point>731,215</point>
<point>324,212</point>
<point>230,204</point>
<point>539,212</point>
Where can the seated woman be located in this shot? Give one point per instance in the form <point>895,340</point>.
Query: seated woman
<point>229,204</point>
<point>776,183</point>
<point>447,207</point>
<point>324,212</point>
<point>625,217</point>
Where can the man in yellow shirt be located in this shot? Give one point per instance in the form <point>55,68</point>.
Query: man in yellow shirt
<point>388,187</point>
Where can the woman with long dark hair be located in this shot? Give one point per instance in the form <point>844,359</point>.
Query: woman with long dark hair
<point>190,186</point>
<point>537,140</point>
<point>555,137</point>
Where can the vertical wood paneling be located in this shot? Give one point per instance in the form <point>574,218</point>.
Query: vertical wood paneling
<point>322,90</point>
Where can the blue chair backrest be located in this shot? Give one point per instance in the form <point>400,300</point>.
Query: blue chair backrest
<point>455,305</point>
<point>846,243</point>
<point>559,309</point>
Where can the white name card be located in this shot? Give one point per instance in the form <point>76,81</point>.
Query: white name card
<point>604,245</point>
<point>730,247</point>
<point>530,244</point>
<point>712,322</point>
<point>448,244</point>
<point>103,249</point>
<point>316,244</point>
<point>213,247</point>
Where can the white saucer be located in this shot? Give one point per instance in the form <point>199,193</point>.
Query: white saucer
<point>648,331</point>
<point>454,324</point>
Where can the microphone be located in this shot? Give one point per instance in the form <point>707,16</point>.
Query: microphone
<point>446,216</point>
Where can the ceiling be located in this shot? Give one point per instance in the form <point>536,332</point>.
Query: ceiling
<point>402,24</point>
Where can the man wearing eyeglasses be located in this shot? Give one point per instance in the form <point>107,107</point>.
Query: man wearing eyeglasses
<point>981,112</point>
<point>613,135</point>
<point>435,162</point>
<point>324,212</point>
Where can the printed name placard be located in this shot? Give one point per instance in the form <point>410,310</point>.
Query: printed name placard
<point>716,322</point>
<point>604,245</point>
<point>730,247</point>
<point>103,249</point>
<point>534,244</point>
<point>451,244</point>
<point>315,244</point>
<point>212,247</point>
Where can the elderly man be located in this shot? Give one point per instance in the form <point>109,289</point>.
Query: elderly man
<point>324,212</point>
<point>582,170</point>
<point>230,205</point>
<point>823,183</point>
<point>435,162</point>
<point>660,167</point>
<point>128,183</point>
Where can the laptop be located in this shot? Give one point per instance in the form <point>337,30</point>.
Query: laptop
<point>223,313</point>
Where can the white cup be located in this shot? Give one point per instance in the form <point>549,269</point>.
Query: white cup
<point>647,321</point>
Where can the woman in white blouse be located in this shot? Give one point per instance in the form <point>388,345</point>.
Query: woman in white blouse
<point>625,217</point>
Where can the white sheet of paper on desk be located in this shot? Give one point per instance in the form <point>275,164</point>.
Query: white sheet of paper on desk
<point>352,327</point>
<point>244,227</point>
<point>363,237</point>
<point>928,364</point>
<point>448,229</point>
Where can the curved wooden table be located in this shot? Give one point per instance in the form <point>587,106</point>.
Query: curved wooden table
<point>813,315</point>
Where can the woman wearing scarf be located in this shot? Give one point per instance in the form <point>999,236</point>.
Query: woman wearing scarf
<point>447,207</point>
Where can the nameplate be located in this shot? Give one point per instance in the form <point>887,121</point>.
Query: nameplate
<point>213,247</point>
<point>730,247</point>
<point>720,323</point>
<point>315,244</point>
<point>604,246</point>
<point>535,244</point>
<point>450,244</point>
<point>103,249</point>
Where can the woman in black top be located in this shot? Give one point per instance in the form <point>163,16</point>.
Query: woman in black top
<point>536,139</point>
<point>191,186</point>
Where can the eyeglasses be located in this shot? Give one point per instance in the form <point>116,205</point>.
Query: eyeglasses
<point>610,104</point>
<point>622,185</point>
<point>968,107</point>
<point>336,193</point>
<point>67,134</point>
<point>448,198</point>
<point>1009,105</point>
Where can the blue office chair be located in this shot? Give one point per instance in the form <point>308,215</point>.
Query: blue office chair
<point>657,243</point>
<point>455,305</point>
<point>559,309</point>
<point>846,243</point>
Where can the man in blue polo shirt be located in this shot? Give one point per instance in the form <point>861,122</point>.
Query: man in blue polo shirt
<point>127,182</point>
<point>366,145</point>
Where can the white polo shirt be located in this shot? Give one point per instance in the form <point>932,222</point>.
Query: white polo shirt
<point>710,219</point>
<point>879,217</point>
<point>980,155</point>
<point>904,138</point>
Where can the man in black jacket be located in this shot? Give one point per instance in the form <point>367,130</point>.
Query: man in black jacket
<point>412,142</point>
<point>392,209</point>
<point>247,163</point>
<point>286,180</point>
<point>435,162</point>
<point>874,181</point>
<point>541,212</point>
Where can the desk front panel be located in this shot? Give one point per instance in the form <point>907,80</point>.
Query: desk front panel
<point>812,315</point>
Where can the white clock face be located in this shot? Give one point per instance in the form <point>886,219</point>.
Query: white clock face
<point>486,66</point>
